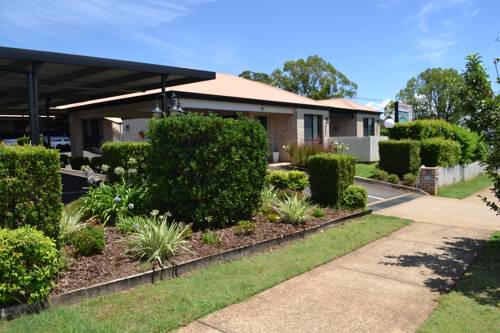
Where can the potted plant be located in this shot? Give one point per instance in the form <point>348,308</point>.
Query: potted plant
<point>276,155</point>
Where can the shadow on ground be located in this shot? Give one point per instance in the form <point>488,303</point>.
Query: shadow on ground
<point>447,264</point>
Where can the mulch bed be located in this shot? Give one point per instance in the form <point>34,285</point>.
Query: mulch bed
<point>114,263</point>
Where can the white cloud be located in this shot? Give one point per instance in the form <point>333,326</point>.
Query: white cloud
<point>142,22</point>
<point>432,49</point>
<point>379,105</point>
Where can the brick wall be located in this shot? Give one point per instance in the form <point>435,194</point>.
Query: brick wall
<point>429,179</point>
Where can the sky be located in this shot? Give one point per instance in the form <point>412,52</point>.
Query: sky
<point>379,44</point>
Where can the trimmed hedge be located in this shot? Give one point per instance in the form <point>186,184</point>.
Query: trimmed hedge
<point>30,188</point>
<point>425,129</point>
<point>118,154</point>
<point>207,170</point>
<point>399,156</point>
<point>28,264</point>
<point>293,180</point>
<point>440,152</point>
<point>355,197</point>
<point>329,177</point>
<point>77,162</point>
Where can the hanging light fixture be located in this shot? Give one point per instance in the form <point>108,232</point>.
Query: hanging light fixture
<point>156,111</point>
<point>174,105</point>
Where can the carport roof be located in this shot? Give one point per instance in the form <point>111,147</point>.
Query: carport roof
<point>67,78</point>
<point>340,103</point>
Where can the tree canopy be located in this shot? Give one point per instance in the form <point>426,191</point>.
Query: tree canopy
<point>313,77</point>
<point>434,93</point>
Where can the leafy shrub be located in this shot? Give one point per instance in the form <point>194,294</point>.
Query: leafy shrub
<point>23,141</point>
<point>69,224</point>
<point>273,217</point>
<point>440,152</point>
<point>89,240</point>
<point>158,240</point>
<point>268,196</point>
<point>129,224</point>
<point>127,155</point>
<point>318,213</point>
<point>409,179</point>
<point>207,166</point>
<point>293,180</point>
<point>245,228</point>
<point>393,178</point>
<point>294,209</point>
<point>380,175</point>
<point>355,197</point>
<point>30,188</point>
<point>77,162</point>
<point>28,263</point>
<point>330,175</point>
<point>108,202</point>
<point>299,154</point>
<point>399,157</point>
<point>425,129</point>
<point>210,238</point>
<point>64,160</point>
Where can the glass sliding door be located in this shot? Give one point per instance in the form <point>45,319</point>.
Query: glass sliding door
<point>313,129</point>
<point>368,126</point>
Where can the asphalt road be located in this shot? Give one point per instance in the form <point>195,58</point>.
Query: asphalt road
<point>378,193</point>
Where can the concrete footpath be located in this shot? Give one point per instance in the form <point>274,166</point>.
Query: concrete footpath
<point>390,285</point>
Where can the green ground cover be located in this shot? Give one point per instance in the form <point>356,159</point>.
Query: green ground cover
<point>464,189</point>
<point>170,304</point>
<point>474,304</point>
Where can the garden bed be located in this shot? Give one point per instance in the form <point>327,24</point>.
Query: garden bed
<point>114,263</point>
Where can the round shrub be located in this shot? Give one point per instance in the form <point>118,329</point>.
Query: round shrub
<point>355,197</point>
<point>393,179</point>
<point>409,179</point>
<point>245,228</point>
<point>293,180</point>
<point>28,263</point>
<point>64,160</point>
<point>89,240</point>
<point>380,175</point>
<point>207,170</point>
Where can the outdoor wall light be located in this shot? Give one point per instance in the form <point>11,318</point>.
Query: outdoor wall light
<point>389,122</point>
<point>156,112</point>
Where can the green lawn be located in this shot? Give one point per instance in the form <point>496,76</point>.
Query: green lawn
<point>169,304</point>
<point>474,305</point>
<point>365,169</point>
<point>464,189</point>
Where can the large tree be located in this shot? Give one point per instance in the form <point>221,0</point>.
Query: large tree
<point>313,77</point>
<point>476,96</point>
<point>434,93</point>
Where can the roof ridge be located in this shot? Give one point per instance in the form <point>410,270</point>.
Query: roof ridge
<point>270,86</point>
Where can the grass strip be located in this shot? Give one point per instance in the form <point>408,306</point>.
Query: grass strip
<point>170,304</point>
<point>474,304</point>
<point>464,189</point>
<point>365,169</point>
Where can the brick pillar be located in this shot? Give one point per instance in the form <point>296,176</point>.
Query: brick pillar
<point>429,179</point>
<point>76,134</point>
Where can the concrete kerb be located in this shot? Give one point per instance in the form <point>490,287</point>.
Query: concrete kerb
<point>170,272</point>
<point>386,184</point>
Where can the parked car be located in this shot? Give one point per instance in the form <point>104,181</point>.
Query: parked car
<point>57,140</point>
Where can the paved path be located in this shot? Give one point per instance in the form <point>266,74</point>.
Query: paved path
<point>390,285</point>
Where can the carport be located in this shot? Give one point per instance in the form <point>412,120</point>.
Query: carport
<point>32,79</point>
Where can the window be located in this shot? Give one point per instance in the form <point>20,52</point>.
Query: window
<point>368,126</point>
<point>313,129</point>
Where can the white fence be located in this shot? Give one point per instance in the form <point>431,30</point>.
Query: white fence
<point>458,173</point>
<point>365,148</point>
